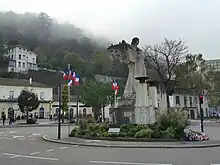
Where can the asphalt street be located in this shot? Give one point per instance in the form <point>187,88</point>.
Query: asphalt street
<point>24,146</point>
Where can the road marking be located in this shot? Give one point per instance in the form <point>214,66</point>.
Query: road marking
<point>75,145</point>
<point>18,137</point>
<point>34,153</point>
<point>50,150</point>
<point>12,132</point>
<point>62,148</point>
<point>30,157</point>
<point>15,156</point>
<point>36,134</point>
<point>125,163</point>
<point>89,141</point>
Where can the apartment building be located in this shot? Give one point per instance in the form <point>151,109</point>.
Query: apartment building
<point>21,59</point>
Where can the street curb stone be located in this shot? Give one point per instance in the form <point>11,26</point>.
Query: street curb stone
<point>133,146</point>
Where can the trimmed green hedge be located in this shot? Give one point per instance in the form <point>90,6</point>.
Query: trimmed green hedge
<point>169,126</point>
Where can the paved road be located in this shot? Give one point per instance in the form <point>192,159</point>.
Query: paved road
<point>24,146</point>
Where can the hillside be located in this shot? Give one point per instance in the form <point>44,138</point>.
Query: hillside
<point>57,45</point>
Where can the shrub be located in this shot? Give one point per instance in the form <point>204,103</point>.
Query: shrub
<point>132,129</point>
<point>82,124</point>
<point>175,120</point>
<point>74,131</point>
<point>96,129</point>
<point>169,133</point>
<point>144,133</point>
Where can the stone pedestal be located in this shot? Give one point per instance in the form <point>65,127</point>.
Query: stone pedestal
<point>144,111</point>
<point>153,93</point>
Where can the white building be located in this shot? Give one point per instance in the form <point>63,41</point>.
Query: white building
<point>190,103</point>
<point>213,65</point>
<point>21,59</point>
<point>10,90</point>
<point>82,109</point>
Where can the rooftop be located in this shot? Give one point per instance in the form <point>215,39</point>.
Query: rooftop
<point>20,82</point>
<point>20,46</point>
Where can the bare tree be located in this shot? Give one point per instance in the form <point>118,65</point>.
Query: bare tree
<point>165,58</point>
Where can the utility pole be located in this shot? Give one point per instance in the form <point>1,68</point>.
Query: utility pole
<point>59,112</point>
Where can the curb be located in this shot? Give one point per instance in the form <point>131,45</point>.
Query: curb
<point>31,125</point>
<point>131,146</point>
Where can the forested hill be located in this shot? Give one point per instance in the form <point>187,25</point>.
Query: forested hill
<point>58,44</point>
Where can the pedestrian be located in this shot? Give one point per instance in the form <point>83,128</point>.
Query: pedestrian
<point>4,118</point>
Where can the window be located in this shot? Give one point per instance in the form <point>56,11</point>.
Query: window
<point>11,94</point>
<point>185,101</point>
<point>33,60</point>
<point>12,56</point>
<point>23,65</point>
<point>19,64</point>
<point>190,101</point>
<point>19,56</point>
<point>41,95</point>
<point>196,101</point>
<point>23,57</point>
<point>177,100</point>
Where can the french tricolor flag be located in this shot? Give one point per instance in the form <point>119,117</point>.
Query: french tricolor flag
<point>70,83</point>
<point>115,86</point>
<point>76,80</point>
<point>65,76</point>
<point>70,77</point>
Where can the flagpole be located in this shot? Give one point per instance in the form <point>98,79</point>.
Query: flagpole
<point>115,99</point>
<point>69,105</point>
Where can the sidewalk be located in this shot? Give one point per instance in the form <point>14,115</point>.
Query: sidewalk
<point>123,144</point>
<point>40,123</point>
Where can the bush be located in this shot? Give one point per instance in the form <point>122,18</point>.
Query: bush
<point>169,133</point>
<point>74,131</point>
<point>169,126</point>
<point>175,120</point>
<point>144,133</point>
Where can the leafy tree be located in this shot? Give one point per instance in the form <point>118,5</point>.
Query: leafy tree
<point>164,58</point>
<point>27,101</point>
<point>4,61</point>
<point>102,63</point>
<point>64,100</point>
<point>49,39</point>
<point>97,95</point>
<point>74,60</point>
<point>193,70</point>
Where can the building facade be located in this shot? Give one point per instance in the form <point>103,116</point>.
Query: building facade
<point>21,59</point>
<point>190,104</point>
<point>213,65</point>
<point>82,109</point>
<point>10,89</point>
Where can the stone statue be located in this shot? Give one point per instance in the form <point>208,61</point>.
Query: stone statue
<point>134,58</point>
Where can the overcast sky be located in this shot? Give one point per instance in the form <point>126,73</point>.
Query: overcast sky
<point>195,21</point>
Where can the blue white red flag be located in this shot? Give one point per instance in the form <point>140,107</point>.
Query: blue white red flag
<point>64,76</point>
<point>115,86</point>
<point>70,77</point>
<point>76,80</point>
<point>70,83</point>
